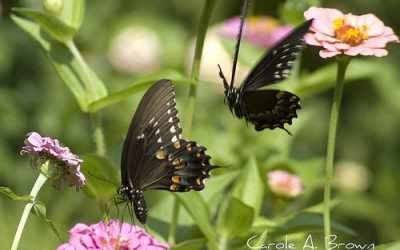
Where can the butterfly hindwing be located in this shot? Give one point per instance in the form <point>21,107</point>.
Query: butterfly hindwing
<point>267,109</point>
<point>270,108</point>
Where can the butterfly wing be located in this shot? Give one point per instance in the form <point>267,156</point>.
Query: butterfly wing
<point>277,64</point>
<point>144,132</point>
<point>154,154</point>
<point>270,108</point>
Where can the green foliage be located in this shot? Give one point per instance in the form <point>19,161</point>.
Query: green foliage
<point>12,196</point>
<point>39,209</point>
<point>102,176</point>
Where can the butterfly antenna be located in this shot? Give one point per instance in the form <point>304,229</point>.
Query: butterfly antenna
<point>239,38</point>
<point>102,179</point>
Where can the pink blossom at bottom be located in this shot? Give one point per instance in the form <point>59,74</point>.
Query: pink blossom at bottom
<point>284,184</point>
<point>111,236</point>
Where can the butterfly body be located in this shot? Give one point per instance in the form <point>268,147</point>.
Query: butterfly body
<point>267,109</point>
<point>155,156</point>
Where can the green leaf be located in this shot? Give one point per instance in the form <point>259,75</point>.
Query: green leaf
<point>249,188</point>
<point>304,222</point>
<point>217,184</point>
<point>390,246</point>
<point>319,208</point>
<point>195,244</point>
<point>57,55</point>
<point>39,209</point>
<point>73,12</point>
<point>10,194</point>
<point>56,28</point>
<point>101,174</point>
<point>234,218</point>
<point>325,77</point>
<point>67,65</point>
<point>259,240</point>
<point>138,85</point>
<point>197,208</point>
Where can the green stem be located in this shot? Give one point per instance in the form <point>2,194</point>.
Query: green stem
<point>174,219</point>
<point>201,34</point>
<point>98,134</point>
<point>36,187</point>
<point>223,243</point>
<point>87,81</point>
<point>330,152</point>
<point>204,22</point>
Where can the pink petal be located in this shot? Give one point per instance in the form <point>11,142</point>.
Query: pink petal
<point>375,26</point>
<point>310,39</point>
<point>324,17</point>
<point>342,46</point>
<point>34,139</point>
<point>374,52</point>
<point>327,53</point>
<point>323,37</point>
<point>329,46</point>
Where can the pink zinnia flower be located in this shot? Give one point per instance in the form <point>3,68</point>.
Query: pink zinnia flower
<point>54,161</point>
<point>348,34</point>
<point>262,31</point>
<point>284,184</point>
<point>111,236</point>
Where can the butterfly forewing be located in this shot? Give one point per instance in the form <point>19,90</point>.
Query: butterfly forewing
<point>149,130</point>
<point>277,64</point>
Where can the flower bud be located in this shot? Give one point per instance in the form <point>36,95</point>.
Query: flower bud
<point>52,6</point>
<point>49,168</point>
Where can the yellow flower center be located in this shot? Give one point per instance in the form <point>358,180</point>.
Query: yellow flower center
<point>349,34</point>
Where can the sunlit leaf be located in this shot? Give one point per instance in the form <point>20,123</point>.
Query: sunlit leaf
<point>56,55</point>
<point>10,194</point>
<point>258,240</point>
<point>249,188</point>
<point>40,210</point>
<point>217,184</point>
<point>304,222</point>
<point>196,244</point>
<point>390,246</point>
<point>56,28</point>
<point>138,85</point>
<point>73,12</point>
<point>101,176</point>
<point>325,77</point>
<point>82,81</point>
<point>197,208</point>
<point>235,218</point>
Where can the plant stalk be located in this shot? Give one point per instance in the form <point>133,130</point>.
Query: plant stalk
<point>189,114</point>
<point>35,190</point>
<point>330,152</point>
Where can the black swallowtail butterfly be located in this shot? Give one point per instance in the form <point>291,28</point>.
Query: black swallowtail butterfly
<point>266,108</point>
<point>155,156</point>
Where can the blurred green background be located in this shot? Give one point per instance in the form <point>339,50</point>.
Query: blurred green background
<point>33,98</point>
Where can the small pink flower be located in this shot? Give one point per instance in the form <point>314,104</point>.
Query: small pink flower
<point>284,184</point>
<point>262,31</point>
<point>64,166</point>
<point>111,236</point>
<point>348,34</point>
